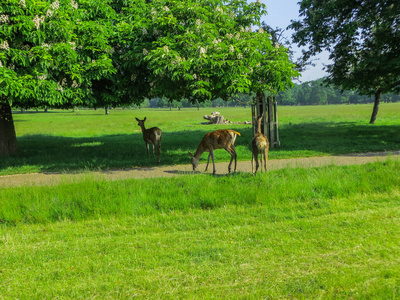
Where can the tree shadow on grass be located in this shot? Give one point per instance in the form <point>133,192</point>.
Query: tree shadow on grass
<point>68,154</point>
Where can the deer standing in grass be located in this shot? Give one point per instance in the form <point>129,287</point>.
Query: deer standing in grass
<point>259,145</point>
<point>151,136</point>
<point>218,139</point>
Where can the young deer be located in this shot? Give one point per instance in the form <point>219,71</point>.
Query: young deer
<point>151,136</point>
<point>259,145</point>
<point>218,139</point>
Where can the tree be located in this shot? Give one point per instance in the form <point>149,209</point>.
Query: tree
<point>205,49</point>
<point>49,55</point>
<point>363,38</point>
<point>111,53</point>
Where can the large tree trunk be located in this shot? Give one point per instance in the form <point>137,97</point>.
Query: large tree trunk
<point>8,139</point>
<point>376,107</point>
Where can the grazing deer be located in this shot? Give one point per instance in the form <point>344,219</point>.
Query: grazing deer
<point>218,139</point>
<point>151,136</point>
<point>259,145</point>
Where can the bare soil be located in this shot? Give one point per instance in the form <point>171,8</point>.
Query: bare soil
<point>179,170</point>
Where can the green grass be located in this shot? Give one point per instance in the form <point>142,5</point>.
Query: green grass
<point>319,233</point>
<point>67,141</point>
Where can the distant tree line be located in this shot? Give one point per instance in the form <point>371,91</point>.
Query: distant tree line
<point>308,93</point>
<point>316,93</point>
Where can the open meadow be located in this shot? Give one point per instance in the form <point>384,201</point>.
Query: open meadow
<point>319,233</point>
<point>90,140</point>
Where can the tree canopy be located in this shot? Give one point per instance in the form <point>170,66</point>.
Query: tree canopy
<point>363,38</point>
<point>110,53</point>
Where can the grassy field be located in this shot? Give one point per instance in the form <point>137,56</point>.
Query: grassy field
<point>90,140</point>
<point>322,233</point>
<point>317,233</point>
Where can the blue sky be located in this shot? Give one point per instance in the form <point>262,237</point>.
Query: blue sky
<point>280,13</point>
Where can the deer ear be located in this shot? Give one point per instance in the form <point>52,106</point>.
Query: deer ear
<point>190,154</point>
<point>137,119</point>
<point>144,119</point>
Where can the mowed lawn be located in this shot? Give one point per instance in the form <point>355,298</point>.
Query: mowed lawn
<point>90,140</point>
<point>317,233</point>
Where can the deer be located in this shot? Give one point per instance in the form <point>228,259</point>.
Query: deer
<point>259,145</point>
<point>151,136</point>
<point>218,139</point>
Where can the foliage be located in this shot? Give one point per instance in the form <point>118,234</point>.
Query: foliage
<point>199,50</point>
<point>363,39</point>
<point>317,92</point>
<point>50,52</point>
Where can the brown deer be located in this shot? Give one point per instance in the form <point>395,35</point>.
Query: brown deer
<point>218,139</point>
<point>151,136</point>
<point>259,145</point>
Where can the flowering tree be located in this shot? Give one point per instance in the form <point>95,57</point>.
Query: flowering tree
<point>203,49</point>
<point>50,52</point>
<point>108,53</point>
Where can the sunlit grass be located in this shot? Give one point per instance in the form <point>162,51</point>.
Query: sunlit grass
<point>328,233</point>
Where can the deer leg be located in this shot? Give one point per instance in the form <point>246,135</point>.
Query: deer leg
<point>252,160</point>
<point>208,161</point>
<point>159,149</point>
<point>265,159</point>
<point>257,164</point>
<point>148,149</point>
<point>212,156</point>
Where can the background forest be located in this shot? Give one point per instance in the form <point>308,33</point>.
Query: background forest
<point>307,93</point>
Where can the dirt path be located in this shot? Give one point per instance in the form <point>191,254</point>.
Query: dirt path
<point>170,171</point>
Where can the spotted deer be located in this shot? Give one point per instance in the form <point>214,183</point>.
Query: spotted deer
<point>151,136</point>
<point>259,145</point>
<point>218,139</point>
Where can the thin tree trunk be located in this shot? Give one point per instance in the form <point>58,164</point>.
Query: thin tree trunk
<point>8,139</point>
<point>376,107</point>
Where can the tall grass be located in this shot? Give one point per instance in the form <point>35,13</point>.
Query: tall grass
<point>297,192</point>
<point>67,141</point>
<point>323,233</point>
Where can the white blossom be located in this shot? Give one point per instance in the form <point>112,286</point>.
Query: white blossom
<point>203,51</point>
<point>133,77</point>
<point>240,56</point>
<point>49,13</point>
<point>153,12</point>
<point>73,45</point>
<point>38,20</point>
<point>75,84</point>
<point>42,77</point>
<point>55,5</point>
<point>145,52</point>
<point>144,31</point>
<point>259,1</point>
<point>219,9</point>
<point>194,76</point>
<point>73,4</point>
<point>4,45</point>
<point>261,30</point>
<point>166,48</point>
<point>229,35</point>
<point>231,49</point>
<point>1,64</point>
<point>4,19</point>
<point>22,3</point>
<point>155,31</point>
<point>198,22</point>
<point>166,8</point>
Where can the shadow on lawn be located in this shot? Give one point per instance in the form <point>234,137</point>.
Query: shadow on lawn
<point>55,153</point>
